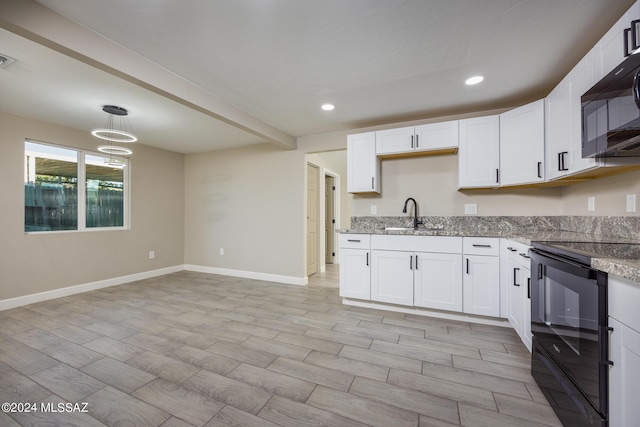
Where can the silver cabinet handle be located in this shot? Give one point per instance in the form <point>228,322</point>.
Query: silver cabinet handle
<point>353,240</point>
<point>482,246</point>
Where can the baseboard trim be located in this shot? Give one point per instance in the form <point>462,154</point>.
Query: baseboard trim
<point>429,313</point>
<point>287,280</point>
<point>7,304</point>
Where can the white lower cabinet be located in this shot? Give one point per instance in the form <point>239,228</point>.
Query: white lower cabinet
<point>481,278</point>
<point>355,266</point>
<point>526,336</point>
<point>437,281</point>
<point>624,352</point>
<point>421,271</point>
<point>392,277</point>
<point>518,289</point>
<point>481,285</point>
<point>624,375</point>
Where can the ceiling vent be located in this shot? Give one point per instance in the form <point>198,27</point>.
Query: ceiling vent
<point>5,61</point>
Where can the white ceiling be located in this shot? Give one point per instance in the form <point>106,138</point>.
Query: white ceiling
<point>378,61</point>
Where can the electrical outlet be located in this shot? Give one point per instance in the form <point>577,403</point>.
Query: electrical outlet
<point>471,209</point>
<point>374,209</point>
<point>591,204</point>
<point>631,202</point>
<point>221,251</point>
<point>152,254</point>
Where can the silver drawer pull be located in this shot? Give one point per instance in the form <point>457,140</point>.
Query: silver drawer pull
<point>481,246</point>
<point>353,240</point>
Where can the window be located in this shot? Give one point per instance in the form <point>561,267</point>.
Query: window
<point>68,189</point>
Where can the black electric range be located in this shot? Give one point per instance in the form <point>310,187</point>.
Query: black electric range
<point>569,322</point>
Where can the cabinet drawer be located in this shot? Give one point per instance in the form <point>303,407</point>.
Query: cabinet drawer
<point>435,244</point>
<point>481,246</point>
<point>520,250</point>
<point>355,241</point>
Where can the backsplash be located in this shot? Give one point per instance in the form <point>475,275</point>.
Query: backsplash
<point>612,226</point>
<point>607,226</point>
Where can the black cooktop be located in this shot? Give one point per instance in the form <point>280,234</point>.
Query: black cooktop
<point>585,251</point>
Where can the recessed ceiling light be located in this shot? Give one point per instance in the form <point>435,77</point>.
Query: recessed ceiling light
<point>474,80</point>
<point>328,107</point>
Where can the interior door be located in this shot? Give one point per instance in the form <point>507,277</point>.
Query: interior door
<point>330,221</point>
<point>312,219</point>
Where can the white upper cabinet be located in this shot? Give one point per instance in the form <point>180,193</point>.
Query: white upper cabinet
<point>391,141</point>
<point>363,166</point>
<point>557,131</point>
<point>419,139</point>
<point>609,52</point>
<point>564,122</point>
<point>479,152</point>
<point>437,136</point>
<point>522,145</point>
<point>581,79</point>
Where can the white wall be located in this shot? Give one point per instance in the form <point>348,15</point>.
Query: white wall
<point>249,201</point>
<point>610,195</point>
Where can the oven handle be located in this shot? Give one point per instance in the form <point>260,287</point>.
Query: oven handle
<point>563,264</point>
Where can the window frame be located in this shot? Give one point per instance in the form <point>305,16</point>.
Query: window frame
<point>82,190</point>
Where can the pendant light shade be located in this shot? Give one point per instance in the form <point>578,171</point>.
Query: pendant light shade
<point>116,129</point>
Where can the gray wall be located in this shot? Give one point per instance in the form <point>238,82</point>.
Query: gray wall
<point>35,263</point>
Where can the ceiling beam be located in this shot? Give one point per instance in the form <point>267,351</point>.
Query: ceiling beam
<point>35,22</point>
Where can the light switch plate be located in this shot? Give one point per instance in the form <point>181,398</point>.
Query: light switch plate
<point>152,254</point>
<point>471,209</point>
<point>374,209</point>
<point>591,204</point>
<point>631,202</point>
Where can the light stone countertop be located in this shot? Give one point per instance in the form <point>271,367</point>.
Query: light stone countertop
<point>627,268</point>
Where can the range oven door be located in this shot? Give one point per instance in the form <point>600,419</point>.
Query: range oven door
<point>569,320</point>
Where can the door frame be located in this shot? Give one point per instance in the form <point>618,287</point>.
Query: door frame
<point>319,218</point>
<point>336,214</point>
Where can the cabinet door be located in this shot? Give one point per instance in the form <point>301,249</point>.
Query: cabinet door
<point>580,80</point>
<point>557,112</point>
<point>516,296</point>
<point>363,167</point>
<point>436,136</point>
<point>624,375</point>
<point>609,51</point>
<point>390,141</point>
<point>526,313</point>
<point>481,285</point>
<point>438,281</point>
<point>392,277</point>
<point>355,274</point>
<point>522,145</point>
<point>479,152</point>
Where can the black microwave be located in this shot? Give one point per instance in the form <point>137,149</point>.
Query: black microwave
<point>611,113</point>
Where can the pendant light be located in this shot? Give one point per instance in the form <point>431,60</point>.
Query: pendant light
<point>120,134</point>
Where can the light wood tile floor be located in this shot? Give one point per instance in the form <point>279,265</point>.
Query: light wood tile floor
<point>192,349</point>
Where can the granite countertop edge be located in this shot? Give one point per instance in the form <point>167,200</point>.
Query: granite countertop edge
<point>626,268</point>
